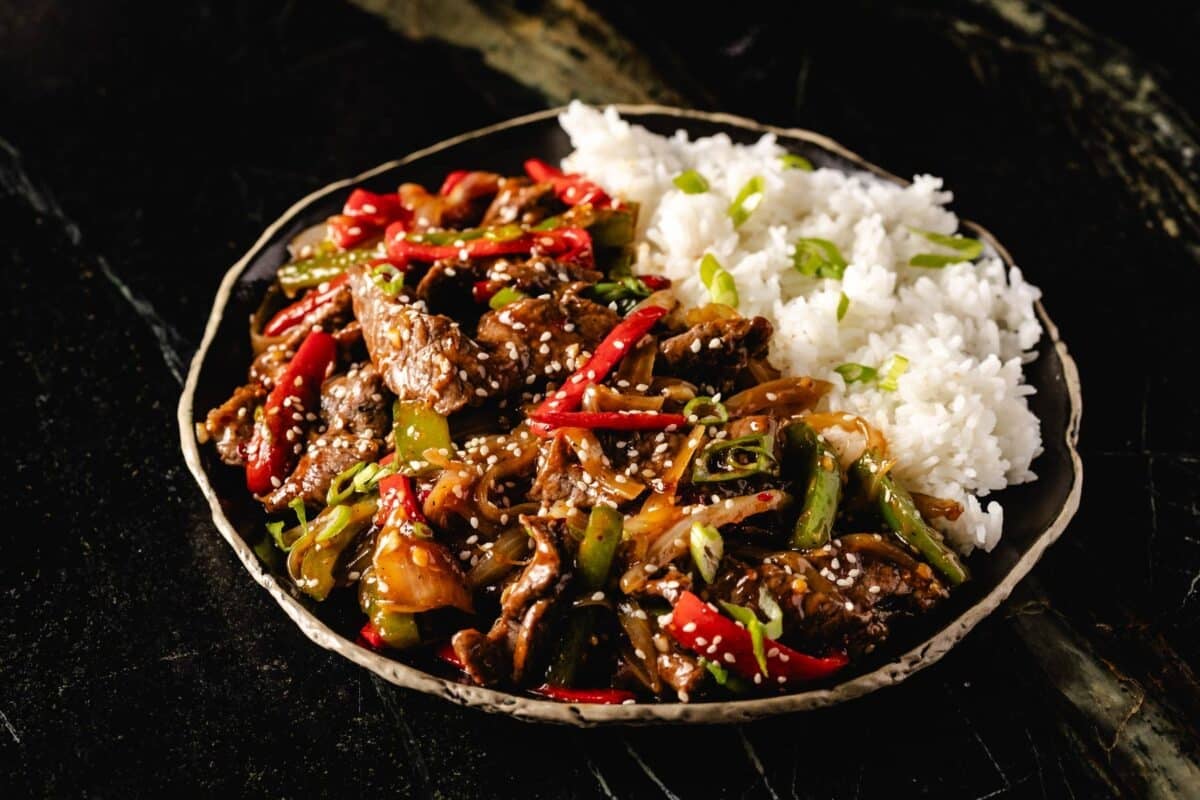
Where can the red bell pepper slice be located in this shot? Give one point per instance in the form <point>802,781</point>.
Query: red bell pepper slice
<point>445,652</point>
<point>620,340</point>
<point>695,625</point>
<point>604,697</point>
<point>296,313</point>
<point>272,454</point>
<point>606,420</point>
<point>572,245</point>
<point>371,637</point>
<point>364,216</point>
<point>396,493</point>
<point>654,282</point>
<point>572,189</point>
<point>453,179</point>
<point>482,291</point>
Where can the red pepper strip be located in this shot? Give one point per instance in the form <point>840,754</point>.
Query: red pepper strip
<point>572,245</point>
<point>604,697</point>
<point>445,652</point>
<point>365,215</point>
<point>606,420</point>
<point>620,340</point>
<point>482,291</point>
<point>693,621</point>
<point>452,180</point>
<point>654,282</point>
<point>271,453</point>
<point>296,313</point>
<point>572,189</point>
<point>396,493</point>
<point>371,637</point>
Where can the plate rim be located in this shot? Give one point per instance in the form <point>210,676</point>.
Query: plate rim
<point>918,657</point>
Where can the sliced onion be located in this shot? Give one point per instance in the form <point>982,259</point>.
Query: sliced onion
<point>509,464</point>
<point>673,542</point>
<point>794,393</point>
<point>601,398</point>
<point>307,241</point>
<point>591,457</point>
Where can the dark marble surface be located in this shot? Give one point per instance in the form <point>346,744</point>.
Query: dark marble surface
<point>144,146</point>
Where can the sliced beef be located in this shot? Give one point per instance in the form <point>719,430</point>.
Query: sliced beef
<point>714,352</point>
<point>546,336</point>
<point>470,198</point>
<point>560,477</point>
<point>679,670</point>
<point>425,357</point>
<point>354,417</point>
<point>231,424</point>
<point>832,598</point>
<point>521,201</point>
<point>510,647</point>
<point>448,286</point>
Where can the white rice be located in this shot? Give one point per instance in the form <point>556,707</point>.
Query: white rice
<point>958,423</point>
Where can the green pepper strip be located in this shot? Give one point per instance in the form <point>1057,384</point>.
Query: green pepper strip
<point>901,515</point>
<point>593,563</point>
<point>417,428</point>
<point>317,269</point>
<point>815,523</point>
<point>726,460</point>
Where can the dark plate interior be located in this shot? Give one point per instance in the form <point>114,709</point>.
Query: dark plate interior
<point>1034,513</point>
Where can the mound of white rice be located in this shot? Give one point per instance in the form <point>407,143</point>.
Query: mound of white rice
<point>958,423</point>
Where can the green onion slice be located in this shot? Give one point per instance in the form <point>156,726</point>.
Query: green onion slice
<point>897,366</point>
<point>504,296</point>
<point>691,182</point>
<point>766,601</point>
<point>818,258</point>
<point>852,373</point>
<point>707,549</point>
<point>965,249</point>
<point>707,411</point>
<point>843,306</point>
<point>749,198</point>
<point>719,673</point>
<point>388,278</point>
<point>726,460</point>
<point>752,623</point>
<point>793,161</point>
<point>276,531</point>
<point>297,506</point>
<point>720,284</point>
<point>342,486</point>
<point>338,520</point>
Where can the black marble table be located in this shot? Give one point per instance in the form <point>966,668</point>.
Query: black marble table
<point>143,146</point>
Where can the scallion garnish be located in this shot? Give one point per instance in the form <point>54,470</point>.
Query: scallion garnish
<point>297,506</point>
<point>339,518</point>
<point>276,531</point>
<point>625,292</point>
<point>504,296</point>
<point>793,161</point>
<point>755,626</point>
<point>707,549</point>
<point>691,182</point>
<point>719,673</point>
<point>731,459</point>
<point>897,366</point>
<point>388,278</point>
<point>706,410</point>
<point>719,283</point>
<point>770,606</point>
<point>852,373</point>
<point>342,486</point>
<point>748,199</point>
<point>965,249</point>
<point>843,306</point>
<point>818,258</point>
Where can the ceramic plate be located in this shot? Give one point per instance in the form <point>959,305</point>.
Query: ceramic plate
<point>1035,513</point>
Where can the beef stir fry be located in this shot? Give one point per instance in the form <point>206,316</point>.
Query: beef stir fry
<point>536,465</point>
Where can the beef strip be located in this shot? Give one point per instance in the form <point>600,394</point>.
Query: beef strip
<point>231,424</point>
<point>448,285</point>
<point>425,357</point>
<point>827,597</point>
<point>354,415</point>
<point>522,201</point>
<point>691,354</point>
<point>560,477</point>
<point>546,336</point>
<point>508,650</point>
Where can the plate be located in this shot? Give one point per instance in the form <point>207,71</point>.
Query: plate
<point>1035,514</point>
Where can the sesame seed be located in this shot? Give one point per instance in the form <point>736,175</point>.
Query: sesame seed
<point>689,627</point>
